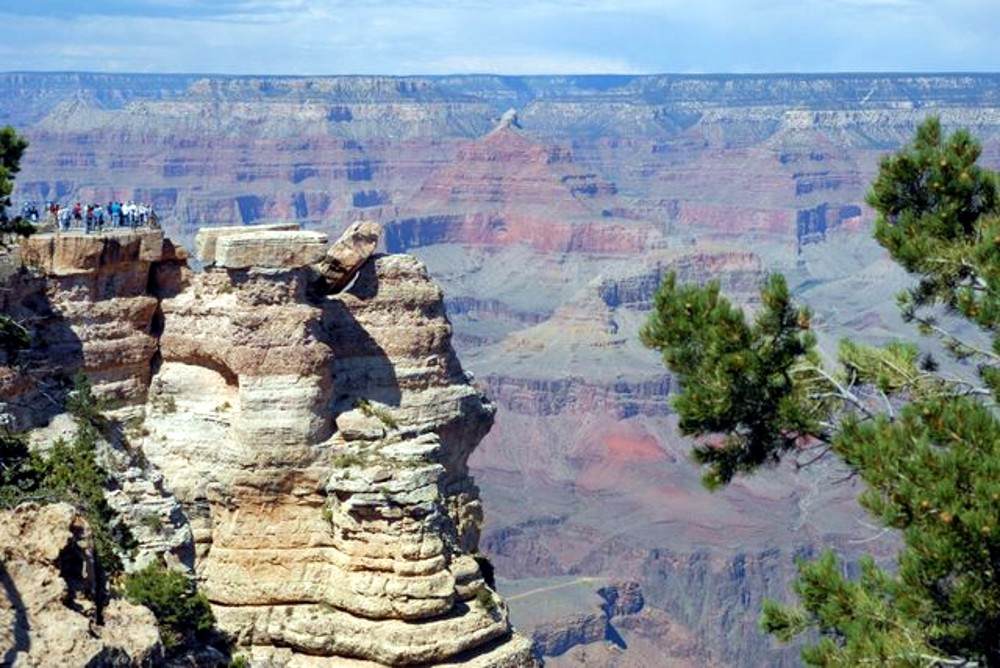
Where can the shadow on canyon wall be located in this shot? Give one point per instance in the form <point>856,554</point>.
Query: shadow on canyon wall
<point>20,627</point>
<point>44,370</point>
<point>362,368</point>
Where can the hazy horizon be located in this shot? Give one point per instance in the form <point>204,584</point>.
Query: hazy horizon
<point>595,75</point>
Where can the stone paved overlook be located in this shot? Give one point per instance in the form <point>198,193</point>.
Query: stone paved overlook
<point>316,443</point>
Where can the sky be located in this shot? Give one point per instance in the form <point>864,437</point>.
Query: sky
<point>412,37</point>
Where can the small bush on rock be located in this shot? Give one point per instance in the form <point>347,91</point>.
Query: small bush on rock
<point>182,613</point>
<point>380,412</point>
<point>484,597</point>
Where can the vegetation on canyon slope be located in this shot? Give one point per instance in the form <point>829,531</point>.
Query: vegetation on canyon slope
<point>68,471</point>
<point>13,335</point>
<point>183,614</point>
<point>12,147</point>
<point>925,443</point>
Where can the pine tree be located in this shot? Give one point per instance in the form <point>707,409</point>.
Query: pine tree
<point>12,147</point>
<point>925,444</point>
<point>13,335</point>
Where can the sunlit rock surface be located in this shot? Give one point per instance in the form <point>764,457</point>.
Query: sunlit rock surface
<point>549,228</point>
<point>50,614</point>
<point>313,447</point>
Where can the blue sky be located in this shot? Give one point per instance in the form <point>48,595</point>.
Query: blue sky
<point>500,36</point>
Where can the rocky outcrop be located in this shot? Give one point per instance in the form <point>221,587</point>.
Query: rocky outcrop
<point>92,313</point>
<point>619,600</point>
<point>317,446</point>
<point>326,446</point>
<point>52,610</point>
<point>342,261</point>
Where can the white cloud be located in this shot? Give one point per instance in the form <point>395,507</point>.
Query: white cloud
<point>546,36</point>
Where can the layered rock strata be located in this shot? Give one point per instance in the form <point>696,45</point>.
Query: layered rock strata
<point>207,238</point>
<point>317,444</point>
<point>618,600</point>
<point>87,302</point>
<point>349,537</point>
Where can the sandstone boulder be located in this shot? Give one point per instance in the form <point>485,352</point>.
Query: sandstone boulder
<point>272,249</point>
<point>355,425</point>
<point>207,238</point>
<point>342,261</point>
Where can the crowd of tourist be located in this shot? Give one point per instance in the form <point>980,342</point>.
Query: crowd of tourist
<point>93,217</point>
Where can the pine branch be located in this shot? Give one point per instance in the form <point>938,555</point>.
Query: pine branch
<point>953,342</point>
<point>881,532</point>
<point>815,458</point>
<point>839,391</point>
<point>888,406</point>
<point>934,660</point>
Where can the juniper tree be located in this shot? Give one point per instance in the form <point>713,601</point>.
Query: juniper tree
<point>925,444</point>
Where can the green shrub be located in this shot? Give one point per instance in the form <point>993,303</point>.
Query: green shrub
<point>14,337</point>
<point>182,613</point>
<point>346,460</point>
<point>68,472</point>
<point>484,597</point>
<point>152,522</point>
<point>85,407</point>
<point>167,404</point>
<point>18,475</point>
<point>135,427</point>
<point>381,412</point>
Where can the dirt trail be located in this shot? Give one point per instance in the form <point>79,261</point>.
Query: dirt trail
<point>539,590</point>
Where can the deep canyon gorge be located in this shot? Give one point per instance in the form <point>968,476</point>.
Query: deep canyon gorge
<point>547,209</point>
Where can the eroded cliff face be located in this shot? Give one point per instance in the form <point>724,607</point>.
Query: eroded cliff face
<point>549,235</point>
<point>314,446</point>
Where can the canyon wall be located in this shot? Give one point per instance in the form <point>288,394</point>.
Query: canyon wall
<point>303,452</point>
<point>548,209</point>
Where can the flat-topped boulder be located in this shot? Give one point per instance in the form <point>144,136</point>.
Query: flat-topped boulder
<point>206,241</point>
<point>69,254</point>
<point>272,249</point>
